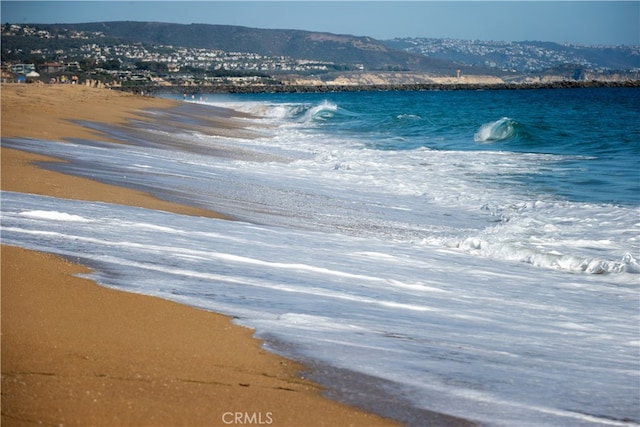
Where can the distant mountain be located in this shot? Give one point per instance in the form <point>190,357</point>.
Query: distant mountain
<point>526,56</point>
<point>339,49</point>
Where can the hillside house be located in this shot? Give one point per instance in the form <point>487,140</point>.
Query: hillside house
<point>22,68</point>
<point>52,67</point>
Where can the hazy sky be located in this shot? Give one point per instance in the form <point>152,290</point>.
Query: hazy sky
<point>582,22</point>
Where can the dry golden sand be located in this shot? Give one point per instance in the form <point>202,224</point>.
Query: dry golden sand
<point>43,111</point>
<point>75,353</point>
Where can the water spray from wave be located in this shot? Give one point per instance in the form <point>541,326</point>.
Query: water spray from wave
<point>499,130</point>
<point>323,110</point>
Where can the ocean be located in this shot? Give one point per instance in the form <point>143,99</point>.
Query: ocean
<point>470,253</point>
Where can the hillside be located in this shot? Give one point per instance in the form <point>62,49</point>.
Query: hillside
<point>135,54</point>
<point>523,57</point>
<point>338,49</point>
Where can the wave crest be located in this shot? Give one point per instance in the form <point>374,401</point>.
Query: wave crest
<point>499,130</point>
<point>510,251</point>
<point>323,110</point>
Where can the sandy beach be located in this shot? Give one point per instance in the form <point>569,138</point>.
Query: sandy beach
<point>75,353</point>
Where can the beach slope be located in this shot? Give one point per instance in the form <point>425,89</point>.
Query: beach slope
<point>75,353</point>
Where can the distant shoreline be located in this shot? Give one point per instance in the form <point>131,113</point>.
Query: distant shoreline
<point>201,89</point>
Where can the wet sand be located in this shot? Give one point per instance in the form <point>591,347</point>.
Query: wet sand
<point>75,353</point>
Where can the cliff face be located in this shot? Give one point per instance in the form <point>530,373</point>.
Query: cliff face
<point>470,80</point>
<point>389,78</point>
<point>362,79</point>
<point>587,77</point>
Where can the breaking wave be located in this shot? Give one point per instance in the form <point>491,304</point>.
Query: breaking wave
<point>321,111</point>
<point>499,130</point>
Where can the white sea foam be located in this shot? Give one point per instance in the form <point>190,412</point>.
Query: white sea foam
<point>54,216</point>
<point>449,199</point>
<point>422,315</point>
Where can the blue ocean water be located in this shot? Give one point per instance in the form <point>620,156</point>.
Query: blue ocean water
<point>595,130</point>
<point>473,253</point>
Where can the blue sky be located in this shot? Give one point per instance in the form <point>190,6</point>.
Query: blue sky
<point>582,22</point>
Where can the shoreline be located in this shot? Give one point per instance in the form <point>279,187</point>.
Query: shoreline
<point>75,352</point>
<point>54,103</point>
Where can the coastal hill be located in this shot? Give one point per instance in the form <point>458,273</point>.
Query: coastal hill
<point>522,56</point>
<point>339,49</point>
<point>346,51</point>
<point>151,54</point>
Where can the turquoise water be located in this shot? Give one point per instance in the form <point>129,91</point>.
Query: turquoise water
<point>596,131</point>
